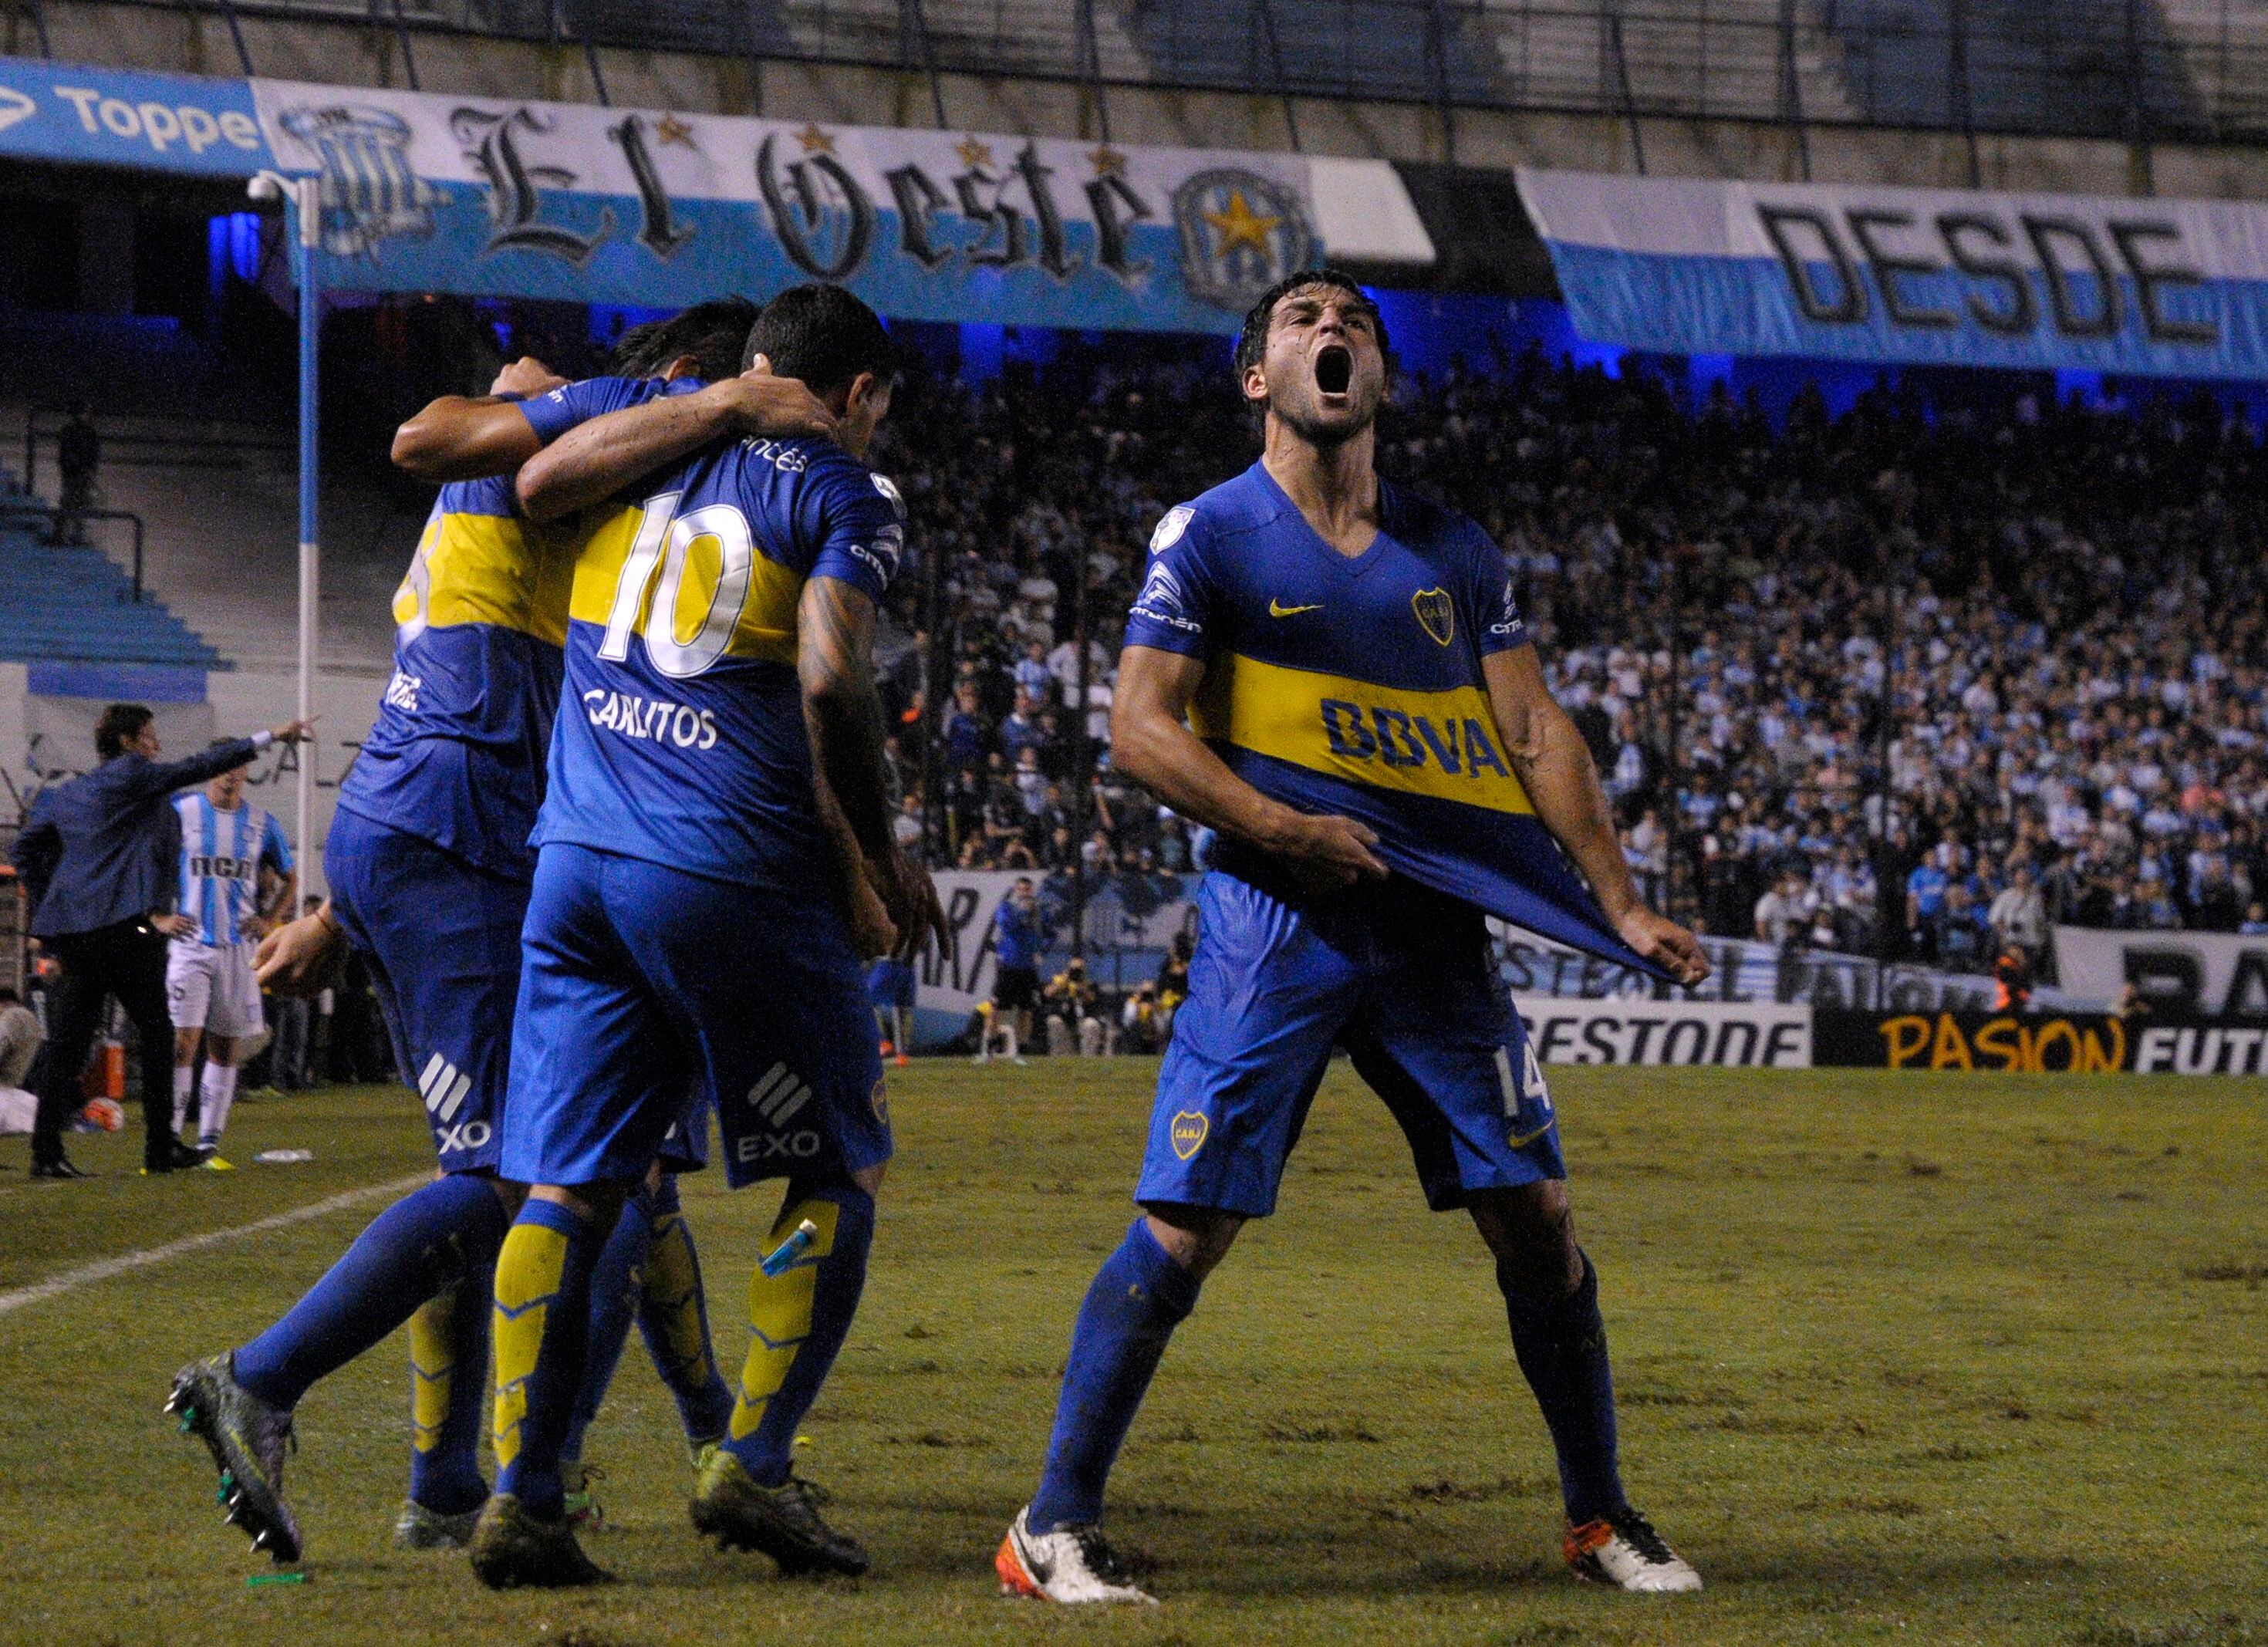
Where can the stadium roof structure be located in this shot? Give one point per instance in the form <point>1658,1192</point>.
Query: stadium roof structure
<point>2125,70</point>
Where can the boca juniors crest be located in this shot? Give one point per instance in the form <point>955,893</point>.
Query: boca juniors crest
<point>1437,615</point>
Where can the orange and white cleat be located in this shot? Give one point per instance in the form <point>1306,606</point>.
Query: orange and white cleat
<point>1075,1566</point>
<point>1624,1550</point>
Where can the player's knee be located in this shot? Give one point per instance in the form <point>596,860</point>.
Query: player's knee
<point>1196,1237</point>
<point>659,1197</point>
<point>1530,1231</point>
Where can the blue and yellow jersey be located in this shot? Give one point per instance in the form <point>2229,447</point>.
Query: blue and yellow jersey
<point>680,736</point>
<point>1354,684</point>
<point>456,755</point>
<point>221,856</point>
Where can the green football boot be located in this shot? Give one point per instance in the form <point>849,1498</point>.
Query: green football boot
<point>247,1440</point>
<point>511,1549</point>
<point>782,1522</point>
<point>585,1512</point>
<point>418,1528</point>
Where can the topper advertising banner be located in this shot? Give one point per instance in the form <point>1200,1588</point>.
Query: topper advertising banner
<point>1958,277</point>
<point>163,122</point>
<point>428,193</point>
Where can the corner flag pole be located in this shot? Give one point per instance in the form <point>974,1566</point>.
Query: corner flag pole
<point>304,217</point>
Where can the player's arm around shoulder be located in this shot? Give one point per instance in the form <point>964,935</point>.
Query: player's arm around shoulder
<point>599,457</point>
<point>469,437</point>
<point>1549,757</point>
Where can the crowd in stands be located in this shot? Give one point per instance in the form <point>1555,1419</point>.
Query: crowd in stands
<point>2071,601</point>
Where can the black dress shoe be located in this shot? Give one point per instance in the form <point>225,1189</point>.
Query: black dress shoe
<point>57,1168</point>
<point>187,1156</point>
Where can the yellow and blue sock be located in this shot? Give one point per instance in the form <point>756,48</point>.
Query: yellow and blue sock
<point>436,1235</point>
<point>448,1383</point>
<point>616,1285</point>
<point>1562,1347</point>
<point>798,1321</point>
<point>542,1330</point>
<point>674,1316</point>
<point>1138,1298</point>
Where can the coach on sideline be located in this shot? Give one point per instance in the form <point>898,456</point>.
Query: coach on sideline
<point>99,857</point>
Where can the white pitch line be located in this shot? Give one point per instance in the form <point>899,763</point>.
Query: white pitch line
<point>71,1280</point>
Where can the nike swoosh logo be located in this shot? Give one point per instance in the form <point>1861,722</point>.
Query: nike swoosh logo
<point>1278,611</point>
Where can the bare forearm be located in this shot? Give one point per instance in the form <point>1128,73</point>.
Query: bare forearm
<point>1556,768</point>
<point>841,710</point>
<point>1181,769</point>
<point>464,438</point>
<point>287,896</point>
<point>596,459</point>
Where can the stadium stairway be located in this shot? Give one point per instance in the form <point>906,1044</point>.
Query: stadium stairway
<point>218,498</point>
<point>78,604</point>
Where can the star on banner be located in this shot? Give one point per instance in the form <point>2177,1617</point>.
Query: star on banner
<point>1108,161</point>
<point>814,141</point>
<point>1240,226</point>
<point>669,128</point>
<point>973,153</point>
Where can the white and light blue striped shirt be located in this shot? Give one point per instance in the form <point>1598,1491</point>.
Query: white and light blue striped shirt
<point>221,856</point>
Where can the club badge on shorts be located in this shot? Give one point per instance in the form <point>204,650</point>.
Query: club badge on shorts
<point>1189,1133</point>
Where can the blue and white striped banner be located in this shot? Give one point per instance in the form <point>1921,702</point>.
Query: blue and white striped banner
<point>648,207</point>
<point>1954,277</point>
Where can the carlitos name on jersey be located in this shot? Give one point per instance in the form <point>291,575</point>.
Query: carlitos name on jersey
<point>655,720</point>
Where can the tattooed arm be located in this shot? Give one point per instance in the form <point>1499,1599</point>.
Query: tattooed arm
<point>835,658</point>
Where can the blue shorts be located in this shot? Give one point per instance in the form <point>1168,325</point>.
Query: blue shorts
<point>645,989</point>
<point>890,983</point>
<point>1398,975</point>
<point>441,939</point>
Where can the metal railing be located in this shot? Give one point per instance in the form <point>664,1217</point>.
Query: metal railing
<point>2130,69</point>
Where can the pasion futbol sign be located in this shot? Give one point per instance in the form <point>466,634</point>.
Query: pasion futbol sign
<point>549,200</point>
<point>2175,288</point>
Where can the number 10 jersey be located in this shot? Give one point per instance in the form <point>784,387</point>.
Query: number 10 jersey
<point>680,736</point>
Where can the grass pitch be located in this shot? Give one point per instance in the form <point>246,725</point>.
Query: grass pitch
<point>1902,1359</point>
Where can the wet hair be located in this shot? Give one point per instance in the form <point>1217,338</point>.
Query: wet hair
<point>1252,341</point>
<point>713,333</point>
<point>120,726</point>
<point>822,335</point>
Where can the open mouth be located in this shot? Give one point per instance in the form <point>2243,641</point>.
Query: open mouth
<point>1333,369</point>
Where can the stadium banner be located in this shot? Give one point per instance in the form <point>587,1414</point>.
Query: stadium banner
<point>1131,923</point>
<point>162,123</point>
<point>1740,970</point>
<point>2082,1043</point>
<point>496,196</point>
<point>2179,974</point>
<point>1960,278</point>
<point>1634,1030</point>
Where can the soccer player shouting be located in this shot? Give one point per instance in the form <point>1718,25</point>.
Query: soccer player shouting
<point>1368,729</point>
